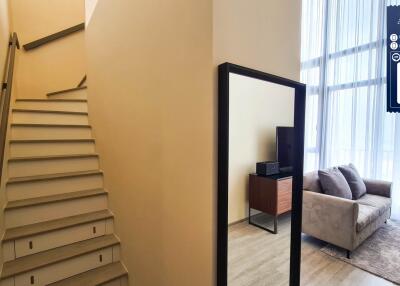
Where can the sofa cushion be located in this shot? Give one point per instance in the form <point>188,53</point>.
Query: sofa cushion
<point>366,215</point>
<point>311,182</point>
<point>379,202</point>
<point>333,183</point>
<point>354,180</point>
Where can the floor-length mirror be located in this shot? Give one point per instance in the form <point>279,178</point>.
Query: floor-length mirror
<point>260,169</point>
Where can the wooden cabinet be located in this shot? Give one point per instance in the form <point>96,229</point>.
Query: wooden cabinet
<point>271,195</point>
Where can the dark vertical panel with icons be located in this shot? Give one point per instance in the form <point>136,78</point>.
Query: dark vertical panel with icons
<point>393,58</point>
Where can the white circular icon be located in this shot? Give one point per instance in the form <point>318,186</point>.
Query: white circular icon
<point>393,37</point>
<point>394,45</point>
<point>396,57</point>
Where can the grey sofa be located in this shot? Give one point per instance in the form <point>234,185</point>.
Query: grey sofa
<point>342,222</point>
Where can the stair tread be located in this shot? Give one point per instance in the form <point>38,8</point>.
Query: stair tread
<point>52,176</point>
<point>95,276</point>
<point>53,157</point>
<point>51,99</point>
<point>41,259</point>
<point>53,198</point>
<point>66,90</point>
<point>49,125</point>
<point>49,111</point>
<point>51,140</point>
<point>42,227</point>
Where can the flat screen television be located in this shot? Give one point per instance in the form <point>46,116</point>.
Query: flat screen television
<point>284,148</point>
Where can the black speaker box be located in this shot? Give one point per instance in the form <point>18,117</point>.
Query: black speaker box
<point>267,168</point>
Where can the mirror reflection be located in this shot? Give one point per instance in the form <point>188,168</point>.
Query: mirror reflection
<point>261,134</point>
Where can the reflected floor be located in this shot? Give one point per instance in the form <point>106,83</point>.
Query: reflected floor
<point>259,258</point>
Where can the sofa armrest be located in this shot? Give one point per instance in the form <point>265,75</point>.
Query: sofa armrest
<point>378,187</point>
<point>330,218</point>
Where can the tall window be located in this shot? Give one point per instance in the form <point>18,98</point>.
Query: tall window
<point>344,66</point>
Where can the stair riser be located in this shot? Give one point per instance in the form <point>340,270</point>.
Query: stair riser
<point>49,240</point>
<point>77,94</point>
<point>58,271</point>
<point>119,282</point>
<point>53,187</point>
<point>42,167</point>
<point>53,148</point>
<point>51,105</point>
<point>7,282</point>
<point>50,133</point>
<point>113,283</point>
<point>50,211</point>
<point>49,118</point>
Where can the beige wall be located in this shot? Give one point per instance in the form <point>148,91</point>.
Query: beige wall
<point>152,102</point>
<point>260,34</point>
<point>151,105</point>
<point>4,35</point>
<point>256,108</point>
<point>90,6</point>
<point>57,65</point>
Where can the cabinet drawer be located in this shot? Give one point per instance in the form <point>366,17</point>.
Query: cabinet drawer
<point>284,202</point>
<point>284,195</point>
<point>56,272</point>
<point>285,185</point>
<point>49,240</point>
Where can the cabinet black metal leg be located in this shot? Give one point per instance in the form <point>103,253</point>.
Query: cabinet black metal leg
<point>274,231</point>
<point>348,254</point>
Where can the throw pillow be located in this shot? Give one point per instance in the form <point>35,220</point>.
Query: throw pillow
<point>353,178</point>
<point>334,183</point>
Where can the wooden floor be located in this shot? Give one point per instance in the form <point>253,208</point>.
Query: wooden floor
<point>259,258</point>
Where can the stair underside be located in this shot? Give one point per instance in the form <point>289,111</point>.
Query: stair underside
<point>54,198</point>
<point>47,226</point>
<point>41,259</point>
<point>16,180</point>
<point>95,277</point>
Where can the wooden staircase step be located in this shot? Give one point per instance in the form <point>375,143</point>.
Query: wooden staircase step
<point>97,276</point>
<point>15,180</point>
<point>49,125</point>
<point>47,226</point>
<point>91,140</point>
<point>66,90</point>
<point>41,259</point>
<point>50,100</point>
<point>54,198</point>
<point>49,111</point>
<point>52,157</point>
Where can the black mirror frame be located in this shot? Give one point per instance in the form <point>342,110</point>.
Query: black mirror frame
<point>223,155</point>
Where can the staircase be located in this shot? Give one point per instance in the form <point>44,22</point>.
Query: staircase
<point>59,230</point>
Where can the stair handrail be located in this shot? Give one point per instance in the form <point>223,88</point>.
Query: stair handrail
<point>6,89</point>
<point>55,36</point>
<point>83,80</point>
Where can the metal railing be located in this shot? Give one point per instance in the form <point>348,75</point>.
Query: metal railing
<point>53,37</point>
<point>5,99</point>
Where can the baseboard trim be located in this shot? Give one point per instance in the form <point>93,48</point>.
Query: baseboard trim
<point>238,221</point>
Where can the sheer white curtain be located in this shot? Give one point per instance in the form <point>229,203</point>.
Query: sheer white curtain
<point>344,66</point>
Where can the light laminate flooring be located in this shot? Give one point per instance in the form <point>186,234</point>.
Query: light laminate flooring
<point>259,258</point>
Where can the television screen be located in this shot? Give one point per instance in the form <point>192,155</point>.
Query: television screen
<point>284,148</point>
